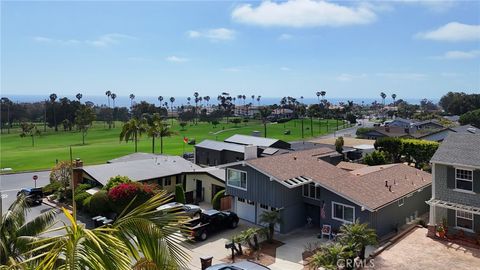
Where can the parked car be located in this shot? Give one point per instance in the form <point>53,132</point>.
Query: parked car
<point>210,221</point>
<point>33,196</point>
<point>191,210</point>
<point>243,265</point>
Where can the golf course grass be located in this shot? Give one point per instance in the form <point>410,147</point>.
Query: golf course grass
<point>103,144</point>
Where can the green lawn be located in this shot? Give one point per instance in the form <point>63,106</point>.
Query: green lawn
<point>103,144</point>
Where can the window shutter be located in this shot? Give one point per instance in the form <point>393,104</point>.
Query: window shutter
<point>450,177</point>
<point>476,182</point>
<point>451,222</point>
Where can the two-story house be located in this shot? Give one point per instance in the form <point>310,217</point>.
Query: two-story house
<point>456,184</point>
<point>307,189</point>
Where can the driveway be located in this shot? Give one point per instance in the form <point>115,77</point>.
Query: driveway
<point>415,251</point>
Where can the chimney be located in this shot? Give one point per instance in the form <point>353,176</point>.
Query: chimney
<point>78,163</point>
<point>251,152</point>
<point>387,128</point>
<point>77,172</point>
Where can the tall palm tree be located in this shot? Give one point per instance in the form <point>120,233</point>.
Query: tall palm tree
<point>172,100</point>
<point>132,97</point>
<point>108,94</point>
<point>207,99</point>
<point>144,234</point>
<point>113,96</point>
<point>155,127</point>
<point>318,97</point>
<point>79,96</point>
<point>160,99</point>
<point>253,99</point>
<point>264,113</point>
<point>53,98</point>
<point>383,96</point>
<point>394,97</point>
<point>16,233</point>
<point>359,235</point>
<point>131,131</point>
<point>323,93</point>
<point>258,100</point>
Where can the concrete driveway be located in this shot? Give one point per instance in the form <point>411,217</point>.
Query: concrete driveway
<point>415,251</point>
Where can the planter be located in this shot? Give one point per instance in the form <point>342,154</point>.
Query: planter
<point>441,234</point>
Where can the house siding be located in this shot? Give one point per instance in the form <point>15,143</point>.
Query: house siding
<point>210,157</point>
<point>443,192</point>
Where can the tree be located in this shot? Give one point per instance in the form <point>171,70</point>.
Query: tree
<point>156,127</point>
<point>236,121</point>
<point>196,105</point>
<point>394,96</point>
<point>108,94</point>
<point>375,158</point>
<point>264,113</point>
<point>6,102</point>
<point>53,98</point>
<point>458,103</point>
<point>160,99</point>
<point>115,181</point>
<point>172,100</point>
<point>183,124</point>
<point>29,129</point>
<point>329,255</point>
<point>61,173</point>
<point>471,117</point>
<point>79,96</point>
<point>179,194</point>
<point>383,96</point>
<point>113,96</point>
<point>132,130</point>
<point>215,123</point>
<point>418,151</point>
<point>16,233</point>
<point>359,235</point>
<point>84,118</point>
<point>339,144</point>
<point>271,218</point>
<point>351,118</point>
<point>392,146</point>
<point>132,97</point>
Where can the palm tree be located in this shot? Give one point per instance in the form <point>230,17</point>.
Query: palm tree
<point>318,97</point>
<point>271,218</point>
<point>329,255</point>
<point>253,99</point>
<point>196,106</point>
<point>160,99</point>
<point>258,100</point>
<point>394,96</point>
<point>264,113</point>
<point>132,97</point>
<point>144,234</point>
<point>79,96</point>
<point>53,98</point>
<point>132,130</point>
<point>113,96</point>
<point>172,100</point>
<point>155,127</point>
<point>323,93</point>
<point>16,233</point>
<point>383,95</point>
<point>108,94</point>
<point>359,235</point>
<point>207,99</point>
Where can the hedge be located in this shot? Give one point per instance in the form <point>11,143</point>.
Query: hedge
<point>115,181</point>
<point>99,203</point>
<point>51,188</point>
<point>179,194</point>
<point>216,199</point>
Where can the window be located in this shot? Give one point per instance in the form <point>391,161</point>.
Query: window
<point>401,202</point>
<point>464,179</point>
<point>241,199</point>
<point>311,191</point>
<point>342,212</point>
<point>236,178</point>
<point>168,181</point>
<point>464,220</point>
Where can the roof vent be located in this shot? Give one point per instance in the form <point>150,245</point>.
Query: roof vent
<point>394,181</point>
<point>294,157</point>
<point>390,188</point>
<point>386,183</point>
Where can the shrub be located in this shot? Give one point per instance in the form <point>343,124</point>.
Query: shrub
<point>339,142</point>
<point>179,194</point>
<point>375,158</point>
<point>51,188</point>
<point>121,195</point>
<point>283,120</point>
<point>99,203</point>
<point>86,203</point>
<point>216,199</point>
<point>115,181</point>
<point>80,197</point>
<point>471,117</point>
<point>362,131</point>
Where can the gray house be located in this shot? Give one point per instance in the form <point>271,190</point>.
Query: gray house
<point>456,184</point>
<point>307,189</point>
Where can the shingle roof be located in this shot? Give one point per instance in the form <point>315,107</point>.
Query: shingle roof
<point>350,166</point>
<point>365,189</point>
<point>132,157</point>
<point>251,140</point>
<point>459,149</point>
<point>220,146</point>
<point>466,129</point>
<point>347,141</point>
<point>139,170</point>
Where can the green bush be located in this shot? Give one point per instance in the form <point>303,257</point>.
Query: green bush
<point>99,203</point>
<point>51,188</point>
<point>471,117</point>
<point>362,131</point>
<point>375,158</point>
<point>179,194</point>
<point>80,197</point>
<point>283,120</point>
<point>86,203</point>
<point>216,199</point>
<point>115,181</point>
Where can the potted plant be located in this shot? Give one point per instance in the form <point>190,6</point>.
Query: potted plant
<point>445,225</point>
<point>441,231</point>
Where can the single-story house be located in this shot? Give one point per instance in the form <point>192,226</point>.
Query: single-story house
<point>163,170</point>
<point>308,190</point>
<point>399,122</point>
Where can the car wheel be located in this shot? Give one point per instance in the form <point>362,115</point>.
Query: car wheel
<point>234,224</point>
<point>203,236</point>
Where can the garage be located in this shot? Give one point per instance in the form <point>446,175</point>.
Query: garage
<point>245,209</point>
<point>265,208</point>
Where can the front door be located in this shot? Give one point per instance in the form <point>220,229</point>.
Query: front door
<point>199,191</point>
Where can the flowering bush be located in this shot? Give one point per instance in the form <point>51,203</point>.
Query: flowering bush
<point>123,194</point>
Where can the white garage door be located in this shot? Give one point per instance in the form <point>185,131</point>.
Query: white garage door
<point>245,209</point>
<point>265,208</point>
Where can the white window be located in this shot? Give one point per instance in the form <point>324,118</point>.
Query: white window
<point>464,220</point>
<point>343,212</point>
<point>464,179</point>
<point>311,191</point>
<point>401,202</point>
<point>236,178</point>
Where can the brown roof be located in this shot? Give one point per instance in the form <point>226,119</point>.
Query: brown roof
<point>392,131</point>
<point>347,141</point>
<point>350,166</point>
<point>365,188</point>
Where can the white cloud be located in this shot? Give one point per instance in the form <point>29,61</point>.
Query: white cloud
<point>176,59</point>
<point>402,76</point>
<point>102,41</point>
<point>345,77</point>
<point>303,13</point>
<point>459,55</point>
<point>216,34</point>
<point>285,37</point>
<point>285,69</point>
<point>453,32</point>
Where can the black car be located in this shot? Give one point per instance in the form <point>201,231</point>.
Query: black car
<point>33,196</point>
<point>210,221</point>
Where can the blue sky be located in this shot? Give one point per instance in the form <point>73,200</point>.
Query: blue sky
<point>415,49</point>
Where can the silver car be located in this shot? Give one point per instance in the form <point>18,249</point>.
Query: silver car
<point>243,265</point>
<point>191,210</point>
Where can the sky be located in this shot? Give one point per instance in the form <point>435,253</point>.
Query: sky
<point>416,49</point>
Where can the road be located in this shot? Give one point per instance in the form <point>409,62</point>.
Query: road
<point>348,132</point>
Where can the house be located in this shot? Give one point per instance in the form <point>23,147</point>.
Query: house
<point>236,148</point>
<point>427,124</point>
<point>307,189</point>
<point>441,134</point>
<point>456,184</point>
<point>399,122</point>
<point>166,171</point>
<point>388,131</point>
